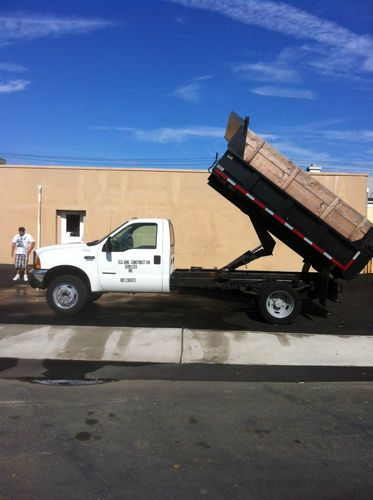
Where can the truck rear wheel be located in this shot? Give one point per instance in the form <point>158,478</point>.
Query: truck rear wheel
<point>279,304</point>
<point>67,294</point>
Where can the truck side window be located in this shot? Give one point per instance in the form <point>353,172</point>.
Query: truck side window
<point>135,236</point>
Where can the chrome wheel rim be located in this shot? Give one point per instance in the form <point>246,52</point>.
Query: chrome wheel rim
<point>280,304</point>
<point>65,296</point>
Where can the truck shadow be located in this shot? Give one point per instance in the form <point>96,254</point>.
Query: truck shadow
<point>203,310</point>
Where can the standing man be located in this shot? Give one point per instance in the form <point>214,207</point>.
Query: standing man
<point>22,245</point>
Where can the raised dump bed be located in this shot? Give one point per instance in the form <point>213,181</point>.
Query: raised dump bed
<point>283,199</point>
<point>297,183</point>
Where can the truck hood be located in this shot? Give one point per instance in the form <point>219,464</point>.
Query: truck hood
<point>67,247</point>
<point>69,254</point>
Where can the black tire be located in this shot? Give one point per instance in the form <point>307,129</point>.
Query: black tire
<point>67,294</point>
<point>92,297</point>
<point>279,304</point>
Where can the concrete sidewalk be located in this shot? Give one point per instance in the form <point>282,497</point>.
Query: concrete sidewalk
<point>183,345</point>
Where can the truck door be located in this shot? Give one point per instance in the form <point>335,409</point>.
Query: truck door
<point>131,261</point>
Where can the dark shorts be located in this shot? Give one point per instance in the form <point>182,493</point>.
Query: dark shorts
<point>21,261</point>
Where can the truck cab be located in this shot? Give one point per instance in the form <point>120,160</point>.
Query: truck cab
<point>138,256</point>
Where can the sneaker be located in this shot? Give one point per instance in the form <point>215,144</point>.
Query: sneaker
<point>16,277</point>
<point>25,277</point>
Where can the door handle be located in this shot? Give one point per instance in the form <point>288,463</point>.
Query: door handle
<point>157,259</point>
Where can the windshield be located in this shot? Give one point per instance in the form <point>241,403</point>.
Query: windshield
<point>96,242</point>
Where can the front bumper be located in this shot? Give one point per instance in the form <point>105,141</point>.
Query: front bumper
<point>37,278</point>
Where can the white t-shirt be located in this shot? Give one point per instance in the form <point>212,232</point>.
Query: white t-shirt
<point>22,243</point>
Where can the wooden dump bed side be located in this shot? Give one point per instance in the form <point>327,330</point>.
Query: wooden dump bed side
<point>298,184</point>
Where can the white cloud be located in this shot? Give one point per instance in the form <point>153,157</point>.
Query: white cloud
<point>283,92</point>
<point>270,137</point>
<point>348,135</point>
<point>311,129</point>
<point>320,131</point>
<point>13,86</point>
<point>189,93</point>
<point>266,72</point>
<point>299,153</point>
<point>202,78</point>
<point>23,26</point>
<point>308,142</point>
<point>13,68</point>
<point>345,49</point>
<point>192,92</point>
<point>165,135</point>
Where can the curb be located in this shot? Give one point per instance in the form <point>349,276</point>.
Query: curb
<point>183,346</point>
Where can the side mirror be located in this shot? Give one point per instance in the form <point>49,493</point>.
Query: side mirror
<point>109,245</point>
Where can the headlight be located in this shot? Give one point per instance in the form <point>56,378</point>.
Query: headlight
<point>37,264</point>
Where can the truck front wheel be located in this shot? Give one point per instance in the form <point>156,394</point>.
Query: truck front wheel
<point>67,294</point>
<point>279,304</point>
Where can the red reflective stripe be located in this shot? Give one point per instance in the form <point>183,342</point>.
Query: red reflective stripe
<point>282,221</point>
<point>259,203</point>
<point>316,247</point>
<point>337,263</point>
<point>221,174</point>
<point>349,265</point>
<point>298,233</point>
<point>241,190</point>
<point>279,218</point>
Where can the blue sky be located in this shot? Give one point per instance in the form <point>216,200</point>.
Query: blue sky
<point>152,82</point>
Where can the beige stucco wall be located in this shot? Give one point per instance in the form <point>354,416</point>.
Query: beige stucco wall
<point>209,230</point>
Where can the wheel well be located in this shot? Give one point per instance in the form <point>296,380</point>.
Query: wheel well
<point>75,271</point>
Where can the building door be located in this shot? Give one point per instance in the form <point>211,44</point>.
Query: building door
<point>71,226</point>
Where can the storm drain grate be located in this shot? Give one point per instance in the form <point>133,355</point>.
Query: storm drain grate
<point>68,382</point>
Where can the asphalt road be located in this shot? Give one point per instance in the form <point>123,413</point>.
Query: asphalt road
<point>72,429</point>
<point>21,304</point>
<point>150,431</point>
<point>167,440</point>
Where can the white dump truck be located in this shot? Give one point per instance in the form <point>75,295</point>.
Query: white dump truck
<point>279,198</point>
